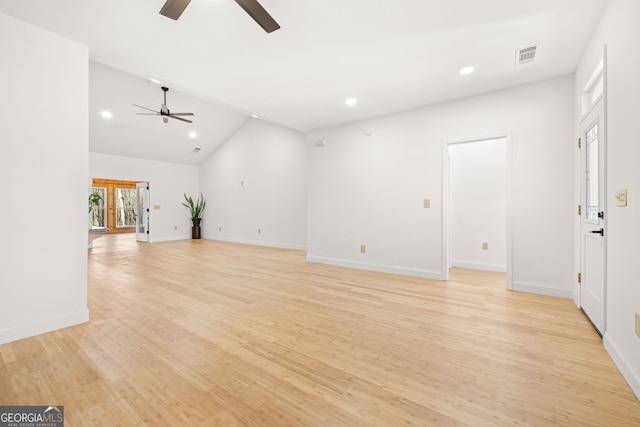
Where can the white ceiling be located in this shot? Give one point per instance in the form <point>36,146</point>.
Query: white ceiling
<point>390,55</point>
<point>132,135</point>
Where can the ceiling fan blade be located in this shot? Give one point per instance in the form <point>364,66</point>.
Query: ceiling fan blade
<point>181,114</point>
<point>177,118</point>
<point>140,106</point>
<point>257,12</point>
<point>174,8</point>
<point>147,114</point>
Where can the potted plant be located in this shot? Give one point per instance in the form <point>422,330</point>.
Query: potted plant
<point>196,208</point>
<point>94,201</point>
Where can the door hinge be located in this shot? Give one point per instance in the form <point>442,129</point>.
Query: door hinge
<point>579,209</point>
<point>579,277</point>
<point>579,142</point>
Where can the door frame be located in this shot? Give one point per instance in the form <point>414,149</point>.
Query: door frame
<point>446,200</point>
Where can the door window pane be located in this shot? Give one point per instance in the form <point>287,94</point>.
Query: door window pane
<point>125,207</point>
<point>591,176</point>
<point>98,217</point>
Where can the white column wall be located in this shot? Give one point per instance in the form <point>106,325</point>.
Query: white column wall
<point>44,146</point>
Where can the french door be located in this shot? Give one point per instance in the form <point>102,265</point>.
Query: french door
<point>142,212</point>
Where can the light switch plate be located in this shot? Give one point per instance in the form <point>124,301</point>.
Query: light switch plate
<point>363,249</point>
<point>621,196</point>
<point>427,203</point>
<point>485,246</point>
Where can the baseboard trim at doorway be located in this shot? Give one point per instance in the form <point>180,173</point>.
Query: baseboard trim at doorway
<point>542,289</point>
<point>43,326</point>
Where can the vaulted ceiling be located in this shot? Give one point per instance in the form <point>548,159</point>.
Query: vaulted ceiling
<point>390,55</point>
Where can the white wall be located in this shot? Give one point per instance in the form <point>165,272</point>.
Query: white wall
<point>257,180</point>
<point>43,170</point>
<point>370,189</point>
<point>167,184</point>
<point>620,31</point>
<point>478,204</point>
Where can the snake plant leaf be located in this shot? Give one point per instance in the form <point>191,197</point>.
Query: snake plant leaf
<point>196,207</point>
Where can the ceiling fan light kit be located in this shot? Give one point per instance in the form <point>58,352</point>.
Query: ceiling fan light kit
<point>174,8</point>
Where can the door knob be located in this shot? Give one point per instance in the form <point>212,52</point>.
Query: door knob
<point>600,232</point>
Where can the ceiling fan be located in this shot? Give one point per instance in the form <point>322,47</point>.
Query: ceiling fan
<point>174,8</point>
<point>164,111</point>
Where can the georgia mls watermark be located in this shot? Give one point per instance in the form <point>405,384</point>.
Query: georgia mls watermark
<point>31,416</point>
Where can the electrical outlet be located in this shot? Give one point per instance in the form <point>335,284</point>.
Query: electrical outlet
<point>363,249</point>
<point>259,231</point>
<point>175,228</point>
<point>427,203</point>
<point>485,246</point>
<point>220,228</point>
<point>638,325</point>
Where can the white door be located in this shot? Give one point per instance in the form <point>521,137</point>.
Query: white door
<point>593,234</point>
<point>142,212</point>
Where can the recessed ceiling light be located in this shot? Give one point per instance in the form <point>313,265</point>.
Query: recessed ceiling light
<point>351,102</point>
<point>106,114</point>
<point>255,116</point>
<point>466,70</point>
<point>156,81</point>
<point>193,135</point>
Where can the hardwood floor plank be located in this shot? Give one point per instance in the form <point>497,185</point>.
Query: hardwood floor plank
<point>213,333</point>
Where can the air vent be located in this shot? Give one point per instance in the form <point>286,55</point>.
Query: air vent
<point>526,55</point>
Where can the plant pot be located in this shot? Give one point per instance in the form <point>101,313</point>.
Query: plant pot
<point>195,230</point>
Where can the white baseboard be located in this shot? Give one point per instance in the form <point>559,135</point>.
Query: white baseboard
<point>484,266</point>
<point>404,271</point>
<point>280,245</point>
<point>542,289</point>
<point>169,238</point>
<point>43,326</point>
<point>632,377</point>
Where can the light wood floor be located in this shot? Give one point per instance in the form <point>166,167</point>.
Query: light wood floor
<point>211,333</point>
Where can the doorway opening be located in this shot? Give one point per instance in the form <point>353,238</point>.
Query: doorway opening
<point>116,210</point>
<point>477,205</point>
<point>123,207</point>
